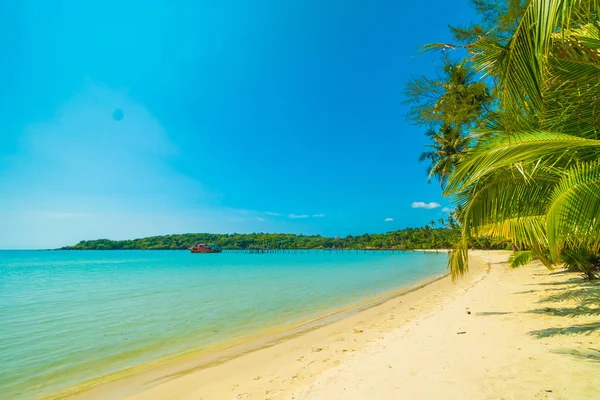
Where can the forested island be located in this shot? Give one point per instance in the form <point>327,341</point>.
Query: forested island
<point>410,238</point>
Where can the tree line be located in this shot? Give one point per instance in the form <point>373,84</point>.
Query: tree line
<point>426,237</point>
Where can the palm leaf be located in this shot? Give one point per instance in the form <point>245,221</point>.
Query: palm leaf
<point>520,258</point>
<point>574,213</point>
<point>504,152</point>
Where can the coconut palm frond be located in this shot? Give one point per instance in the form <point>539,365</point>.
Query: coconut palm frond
<point>520,258</point>
<point>534,177</point>
<point>574,211</point>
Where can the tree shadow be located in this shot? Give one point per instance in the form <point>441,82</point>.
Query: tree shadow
<point>560,272</point>
<point>571,281</point>
<point>571,312</point>
<point>589,354</point>
<point>579,329</point>
<point>484,313</point>
<point>585,295</point>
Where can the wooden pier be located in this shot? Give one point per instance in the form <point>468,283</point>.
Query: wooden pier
<point>269,250</point>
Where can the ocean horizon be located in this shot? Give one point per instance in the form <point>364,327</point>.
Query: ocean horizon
<point>71,317</point>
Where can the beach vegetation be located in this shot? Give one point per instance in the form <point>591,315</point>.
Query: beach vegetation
<point>531,174</point>
<point>428,237</point>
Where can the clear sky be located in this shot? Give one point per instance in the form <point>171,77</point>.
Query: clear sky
<point>232,116</point>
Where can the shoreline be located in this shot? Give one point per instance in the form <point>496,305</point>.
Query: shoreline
<point>492,334</point>
<point>286,357</point>
<point>127,382</point>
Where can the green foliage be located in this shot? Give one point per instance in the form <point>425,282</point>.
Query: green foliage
<point>520,258</point>
<point>582,260</point>
<point>447,105</point>
<point>498,19</point>
<point>533,177</point>
<point>444,153</point>
<point>454,99</point>
<point>410,238</point>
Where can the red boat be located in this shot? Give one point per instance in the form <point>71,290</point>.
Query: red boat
<point>205,248</point>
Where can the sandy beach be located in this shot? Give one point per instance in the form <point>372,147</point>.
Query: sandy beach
<point>498,333</point>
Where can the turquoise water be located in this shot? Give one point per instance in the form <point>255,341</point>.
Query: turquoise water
<point>71,316</point>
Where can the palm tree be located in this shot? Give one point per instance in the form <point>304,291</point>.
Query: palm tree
<point>534,176</point>
<point>450,221</point>
<point>447,106</point>
<point>446,150</point>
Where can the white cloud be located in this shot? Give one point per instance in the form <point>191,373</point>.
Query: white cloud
<point>292,216</point>
<point>420,204</point>
<point>295,216</point>
<point>273,214</point>
<point>447,210</point>
<point>388,219</point>
<point>260,219</point>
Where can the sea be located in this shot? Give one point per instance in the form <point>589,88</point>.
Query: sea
<point>72,318</point>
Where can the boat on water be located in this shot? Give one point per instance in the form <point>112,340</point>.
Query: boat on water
<point>205,248</point>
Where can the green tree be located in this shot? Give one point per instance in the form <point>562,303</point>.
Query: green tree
<point>447,105</point>
<point>534,177</point>
<point>417,238</point>
<point>454,102</point>
<point>445,151</point>
<point>498,20</point>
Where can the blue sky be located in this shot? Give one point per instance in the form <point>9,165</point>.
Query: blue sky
<point>238,116</point>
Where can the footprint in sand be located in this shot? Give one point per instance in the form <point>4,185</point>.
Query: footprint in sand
<point>357,330</point>
<point>317,349</point>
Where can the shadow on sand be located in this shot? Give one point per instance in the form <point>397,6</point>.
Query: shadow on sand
<point>589,354</point>
<point>484,313</point>
<point>579,329</point>
<point>585,295</point>
<point>571,281</point>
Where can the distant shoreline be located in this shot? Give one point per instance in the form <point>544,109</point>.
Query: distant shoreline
<point>443,250</point>
<point>406,239</point>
